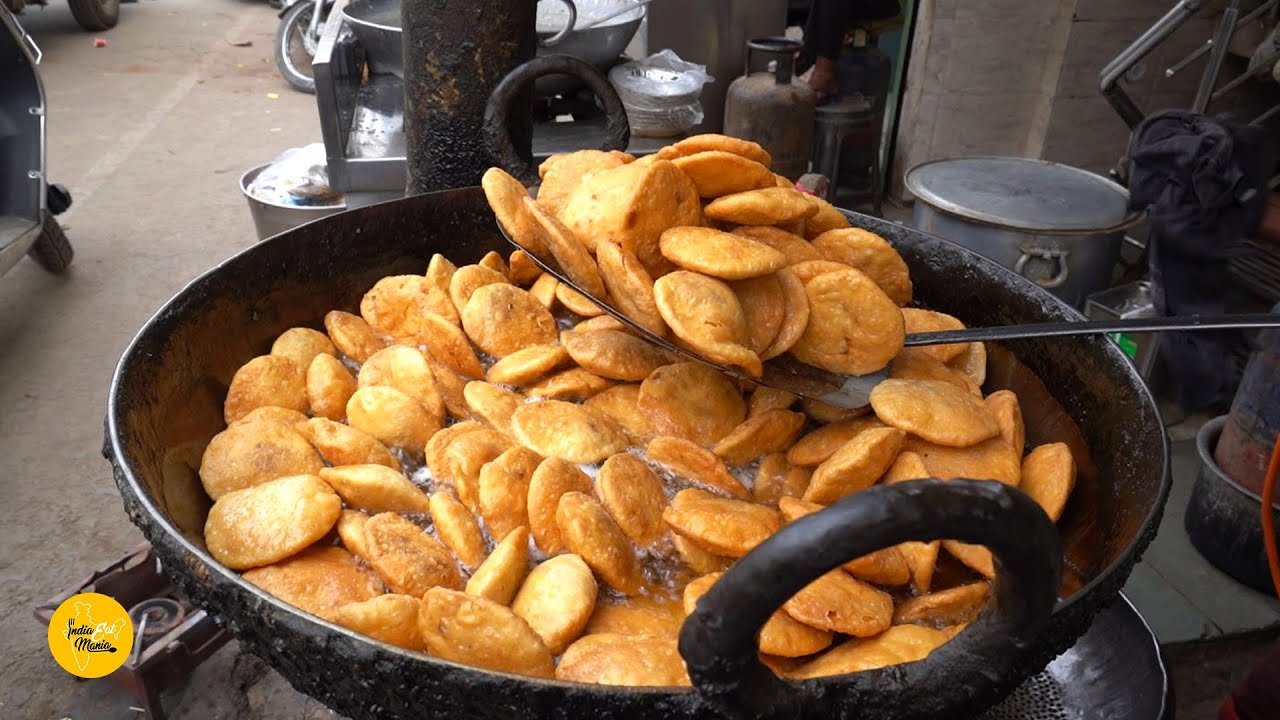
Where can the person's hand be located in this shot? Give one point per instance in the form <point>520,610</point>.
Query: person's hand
<point>823,78</point>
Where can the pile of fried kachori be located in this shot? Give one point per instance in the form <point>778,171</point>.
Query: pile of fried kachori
<point>702,244</point>
<point>483,467</point>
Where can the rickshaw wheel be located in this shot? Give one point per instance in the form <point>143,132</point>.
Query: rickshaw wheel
<point>52,251</point>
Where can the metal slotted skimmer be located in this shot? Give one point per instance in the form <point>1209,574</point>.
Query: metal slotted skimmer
<point>783,373</point>
<point>1113,671</point>
<point>854,391</point>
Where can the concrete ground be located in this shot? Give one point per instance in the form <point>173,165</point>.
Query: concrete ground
<point>151,133</point>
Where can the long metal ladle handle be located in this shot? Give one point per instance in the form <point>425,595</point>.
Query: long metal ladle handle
<point>1096,327</point>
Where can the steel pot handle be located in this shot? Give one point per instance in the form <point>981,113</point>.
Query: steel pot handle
<point>1053,255</point>
<point>564,33</point>
<point>718,641</point>
<point>498,139</point>
<point>785,48</point>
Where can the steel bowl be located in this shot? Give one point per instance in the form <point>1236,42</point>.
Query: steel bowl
<point>376,25</point>
<point>166,402</point>
<point>271,218</point>
<point>600,45</point>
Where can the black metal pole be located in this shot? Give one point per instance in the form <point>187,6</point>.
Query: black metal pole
<point>455,53</point>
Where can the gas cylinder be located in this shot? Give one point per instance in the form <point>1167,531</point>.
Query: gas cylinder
<point>863,69</point>
<point>773,108</point>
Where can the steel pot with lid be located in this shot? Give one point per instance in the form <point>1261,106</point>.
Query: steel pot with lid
<point>1059,226</point>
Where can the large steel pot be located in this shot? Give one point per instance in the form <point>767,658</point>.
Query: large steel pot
<point>1058,226</point>
<point>377,25</point>
<point>166,401</point>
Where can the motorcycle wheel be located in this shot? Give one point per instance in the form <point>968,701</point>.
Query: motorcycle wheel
<point>95,14</point>
<point>52,250</point>
<point>295,48</point>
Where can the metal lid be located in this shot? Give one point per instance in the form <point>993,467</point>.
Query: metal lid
<point>1021,193</point>
<point>646,85</point>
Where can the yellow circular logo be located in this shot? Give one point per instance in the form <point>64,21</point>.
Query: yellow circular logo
<point>90,635</point>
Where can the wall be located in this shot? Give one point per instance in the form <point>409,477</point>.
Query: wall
<point>981,79</point>
<point>1083,129</point>
<point>1007,77</point>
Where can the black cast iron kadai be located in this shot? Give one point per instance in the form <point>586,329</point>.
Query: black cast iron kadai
<point>167,394</point>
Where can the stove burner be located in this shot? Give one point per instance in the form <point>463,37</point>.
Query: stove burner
<point>156,616</point>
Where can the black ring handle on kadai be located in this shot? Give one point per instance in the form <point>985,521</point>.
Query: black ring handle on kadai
<point>498,140</point>
<point>718,641</point>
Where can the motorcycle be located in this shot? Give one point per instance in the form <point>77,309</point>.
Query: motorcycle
<point>91,15</point>
<point>28,203</point>
<point>301,22</point>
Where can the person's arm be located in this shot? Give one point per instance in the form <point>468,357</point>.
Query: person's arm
<point>828,21</point>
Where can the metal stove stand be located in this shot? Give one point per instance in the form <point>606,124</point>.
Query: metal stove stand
<point>171,635</point>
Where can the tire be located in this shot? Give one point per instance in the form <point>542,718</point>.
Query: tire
<point>52,251</point>
<point>289,57</point>
<point>95,14</point>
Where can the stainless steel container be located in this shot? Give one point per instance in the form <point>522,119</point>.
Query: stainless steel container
<point>713,33</point>
<point>1133,300</point>
<point>273,218</point>
<point>1056,225</point>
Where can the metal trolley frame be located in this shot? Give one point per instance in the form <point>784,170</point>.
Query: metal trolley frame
<point>27,202</point>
